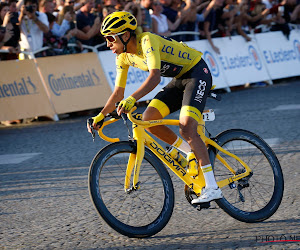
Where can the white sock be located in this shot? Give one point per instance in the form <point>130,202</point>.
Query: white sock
<point>210,181</point>
<point>182,145</point>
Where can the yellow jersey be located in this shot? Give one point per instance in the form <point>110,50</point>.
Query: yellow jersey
<point>172,58</point>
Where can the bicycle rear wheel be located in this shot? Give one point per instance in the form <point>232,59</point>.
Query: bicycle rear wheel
<point>139,213</point>
<point>257,196</point>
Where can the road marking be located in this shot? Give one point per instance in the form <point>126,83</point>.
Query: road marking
<point>238,145</point>
<point>287,107</point>
<point>16,158</point>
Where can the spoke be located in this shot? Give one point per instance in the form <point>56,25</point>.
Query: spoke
<point>261,184</point>
<point>144,208</point>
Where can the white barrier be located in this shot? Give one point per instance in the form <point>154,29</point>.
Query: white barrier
<point>280,55</point>
<point>268,56</point>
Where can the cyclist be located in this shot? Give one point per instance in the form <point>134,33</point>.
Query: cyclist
<point>188,90</point>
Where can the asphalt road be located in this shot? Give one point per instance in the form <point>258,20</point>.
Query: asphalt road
<point>44,197</point>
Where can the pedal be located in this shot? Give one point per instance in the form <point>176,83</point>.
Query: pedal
<point>204,205</point>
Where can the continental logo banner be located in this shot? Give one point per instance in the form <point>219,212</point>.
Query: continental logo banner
<point>22,94</point>
<point>74,82</point>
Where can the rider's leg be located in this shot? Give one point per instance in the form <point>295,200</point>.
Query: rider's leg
<point>158,110</point>
<point>162,132</point>
<point>188,130</point>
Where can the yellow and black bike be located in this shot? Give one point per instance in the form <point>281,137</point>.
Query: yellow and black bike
<point>133,192</point>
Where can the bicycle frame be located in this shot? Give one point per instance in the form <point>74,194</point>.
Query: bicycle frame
<point>143,139</point>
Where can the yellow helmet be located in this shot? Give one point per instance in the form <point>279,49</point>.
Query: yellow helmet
<point>117,22</point>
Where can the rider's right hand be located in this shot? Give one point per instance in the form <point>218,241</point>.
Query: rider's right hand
<point>97,121</point>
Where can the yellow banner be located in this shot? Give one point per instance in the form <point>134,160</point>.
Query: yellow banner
<point>22,94</point>
<point>74,82</point>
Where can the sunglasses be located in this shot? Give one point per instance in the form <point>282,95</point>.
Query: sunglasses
<point>112,38</point>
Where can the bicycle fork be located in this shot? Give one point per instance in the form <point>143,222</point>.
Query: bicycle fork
<point>135,160</point>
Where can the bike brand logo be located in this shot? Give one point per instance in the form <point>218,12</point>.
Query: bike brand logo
<point>255,57</point>
<point>297,48</point>
<point>212,63</point>
<point>168,158</point>
<point>18,88</point>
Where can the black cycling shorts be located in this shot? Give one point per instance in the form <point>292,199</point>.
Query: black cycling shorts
<point>191,89</point>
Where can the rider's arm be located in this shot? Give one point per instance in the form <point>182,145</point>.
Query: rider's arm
<point>148,85</point>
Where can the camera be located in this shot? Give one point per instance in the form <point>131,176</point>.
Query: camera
<point>29,8</point>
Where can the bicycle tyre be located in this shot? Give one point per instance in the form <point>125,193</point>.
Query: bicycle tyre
<point>267,178</point>
<point>106,186</point>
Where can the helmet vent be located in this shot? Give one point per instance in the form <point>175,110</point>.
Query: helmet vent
<point>118,24</point>
<point>111,21</point>
<point>133,22</point>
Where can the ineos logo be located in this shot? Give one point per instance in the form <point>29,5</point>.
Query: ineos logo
<point>200,91</point>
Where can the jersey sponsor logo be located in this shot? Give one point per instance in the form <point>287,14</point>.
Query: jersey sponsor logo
<point>168,50</point>
<point>205,70</point>
<point>149,50</point>
<point>169,69</point>
<point>184,55</point>
<point>164,68</point>
<point>212,63</point>
<point>200,91</point>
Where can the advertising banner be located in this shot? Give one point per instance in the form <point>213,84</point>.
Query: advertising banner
<point>74,82</point>
<point>240,61</point>
<point>22,94</point>
<point>281,55</point>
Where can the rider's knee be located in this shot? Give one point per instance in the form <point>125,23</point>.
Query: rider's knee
<point>151,114</point>
<point>188,131</point>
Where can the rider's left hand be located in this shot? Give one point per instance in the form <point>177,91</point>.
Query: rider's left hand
<point>126,105</point>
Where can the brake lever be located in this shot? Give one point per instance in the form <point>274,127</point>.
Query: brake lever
<point>90,124</point>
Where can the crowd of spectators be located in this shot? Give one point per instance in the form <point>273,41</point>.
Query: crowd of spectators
<point>29,25</point>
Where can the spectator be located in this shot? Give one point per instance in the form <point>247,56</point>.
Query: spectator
<point>65,21</point>
<point>10,19</point>
<point>212,22</point>
<point>33,25</point>
<point>109,7</point>
<point>86,20</point>
<point>160,24</point>
<point>46,6</point>
<point>67,17</point>
<point>5,34</point>
<point>170,10</point>
<point>188,13</point>
<point>203,9</point>
<point>285,11</point>
<point>59,5</point>
<point>135,9</point>
<point>13,6</point>
<point>246,22</point>
<point>146,17</point>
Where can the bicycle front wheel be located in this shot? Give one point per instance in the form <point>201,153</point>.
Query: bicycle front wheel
<point>140,212</point>
<point>257,196</point>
